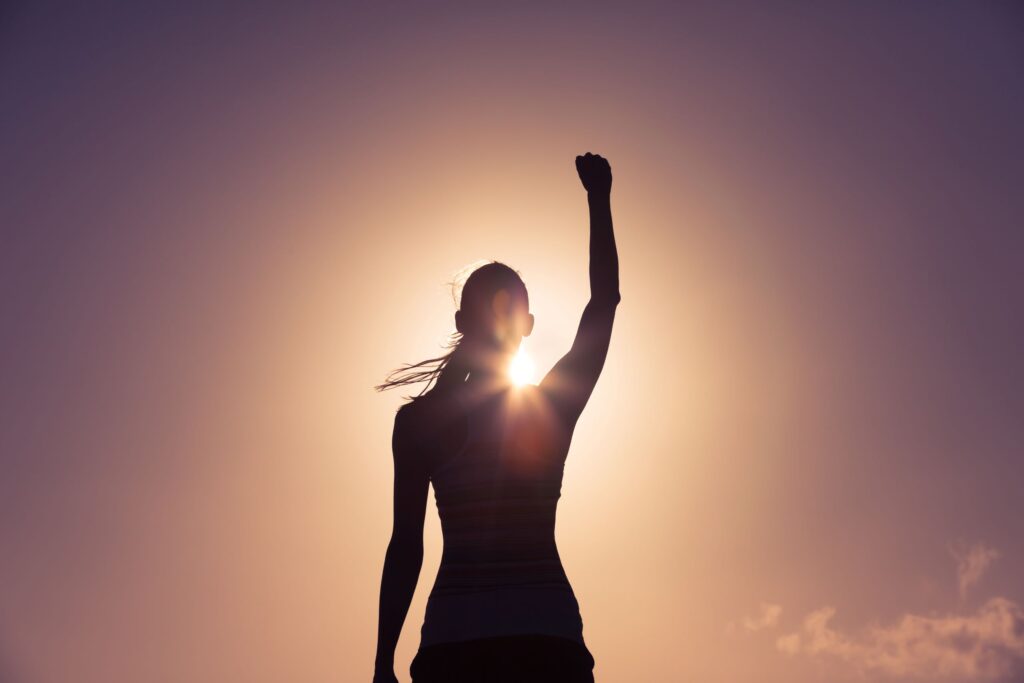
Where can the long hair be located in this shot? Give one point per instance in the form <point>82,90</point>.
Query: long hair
<point>450,369</point>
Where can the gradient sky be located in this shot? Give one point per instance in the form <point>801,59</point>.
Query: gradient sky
<point>221,229</point>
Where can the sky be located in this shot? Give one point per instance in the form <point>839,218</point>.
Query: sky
<point>220,229</point>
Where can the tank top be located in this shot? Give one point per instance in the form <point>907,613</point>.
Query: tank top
<point>496,495</point>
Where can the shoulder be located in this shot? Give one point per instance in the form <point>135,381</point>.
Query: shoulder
<point>422,419</point>
<point>425,428</point>
<point>407,421</point>
<point>417,413</point>
<point>552,405</point>
<point>407,443</point>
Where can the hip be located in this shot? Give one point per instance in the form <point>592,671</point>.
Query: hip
<point>506,659</point>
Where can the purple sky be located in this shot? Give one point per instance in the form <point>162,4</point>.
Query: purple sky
<point>221,229</point>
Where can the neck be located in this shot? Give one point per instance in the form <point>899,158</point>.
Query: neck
<point>487,376</point>
<point>486,381</point>
<point>486,367</point>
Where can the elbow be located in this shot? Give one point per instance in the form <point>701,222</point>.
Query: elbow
<point>406,546</point>
<point>607,299</point>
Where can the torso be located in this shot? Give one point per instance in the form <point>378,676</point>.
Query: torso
<point>496,466</point>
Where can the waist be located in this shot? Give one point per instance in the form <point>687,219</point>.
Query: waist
<point>539,609</point>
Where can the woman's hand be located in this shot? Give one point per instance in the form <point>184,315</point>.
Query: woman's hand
<point>595,173</point>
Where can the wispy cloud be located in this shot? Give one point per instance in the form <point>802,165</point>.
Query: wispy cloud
<point>767,617</point>
<point>985,646</point>
<point>971,563</point>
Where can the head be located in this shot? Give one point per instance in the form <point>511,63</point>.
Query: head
<point>492,319</point>
<point>494,314</point>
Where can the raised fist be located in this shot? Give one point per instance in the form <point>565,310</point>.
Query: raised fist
<point>595,173</point>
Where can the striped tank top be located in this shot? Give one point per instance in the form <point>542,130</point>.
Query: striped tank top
<point>496,496</point>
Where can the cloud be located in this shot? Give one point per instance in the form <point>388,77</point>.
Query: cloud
<point>971,563</point>
<point>985,646</point>
<point>789,644</point>
<point>767,617</point>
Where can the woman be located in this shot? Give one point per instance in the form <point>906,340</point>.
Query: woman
<point>501,608</point>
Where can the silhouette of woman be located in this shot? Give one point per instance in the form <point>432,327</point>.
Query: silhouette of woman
<point>501,608</point>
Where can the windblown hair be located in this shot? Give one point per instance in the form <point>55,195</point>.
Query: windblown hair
<point>450,369</point>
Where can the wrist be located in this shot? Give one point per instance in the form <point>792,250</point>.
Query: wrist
<point>599,196</point>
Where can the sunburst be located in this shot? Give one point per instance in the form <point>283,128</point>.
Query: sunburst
<point>521,370</point>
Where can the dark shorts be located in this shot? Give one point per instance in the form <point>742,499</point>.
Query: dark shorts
<point>509,659</point>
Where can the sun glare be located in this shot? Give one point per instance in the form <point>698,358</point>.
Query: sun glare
<point>521,369</point>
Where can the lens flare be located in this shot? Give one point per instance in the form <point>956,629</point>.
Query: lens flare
<point>521,370</point>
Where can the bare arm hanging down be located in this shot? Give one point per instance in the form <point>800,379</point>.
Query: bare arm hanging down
<point>404,557</point>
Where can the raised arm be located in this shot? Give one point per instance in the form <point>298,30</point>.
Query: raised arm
<point>571,381</point>
<point>404,557</point>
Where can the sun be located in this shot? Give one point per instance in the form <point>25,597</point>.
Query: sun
<point>521,369</point>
